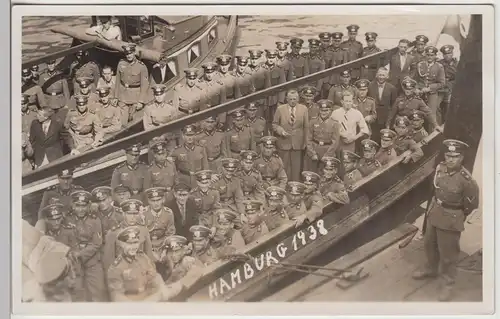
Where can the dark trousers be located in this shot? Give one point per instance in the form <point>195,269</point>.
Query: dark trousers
<point>292,161</point>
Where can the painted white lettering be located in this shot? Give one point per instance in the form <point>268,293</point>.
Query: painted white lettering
<point>235,278</point>
<point>212,290</point>
<point>294,243</point>
<point>249,272</point>
<point>224,285</point>
<point>269,258</point>
<point>281,250</point>
<point>321,227</point>
<point>259,264</point>
<point>313,232</point>
<point>302,237</point>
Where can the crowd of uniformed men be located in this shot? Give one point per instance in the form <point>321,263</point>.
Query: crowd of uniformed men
<point>225,182</point>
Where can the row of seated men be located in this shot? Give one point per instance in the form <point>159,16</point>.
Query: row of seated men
<point>217,86</point>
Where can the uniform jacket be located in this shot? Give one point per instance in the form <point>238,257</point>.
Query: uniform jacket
<point>431,76</point>
<point>298,129</point>
<point>404,106</point>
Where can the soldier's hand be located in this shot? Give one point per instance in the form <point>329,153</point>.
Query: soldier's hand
<point>406,159</point>
<point>285,134</point>
<point>114,102</point>
<point>215,178</point>
<point>299,220</point>
<point>314,157</point>
<point>139,106</point>
<point>75,152</point>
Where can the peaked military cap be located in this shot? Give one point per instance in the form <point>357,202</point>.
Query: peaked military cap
<point>431,50</point>
<point>370,36</point>
<point>308,91</point>
<point>325,104</point>
<point>422,39</point>
<point>51,61</point>
<point>325,36</point>
<point>134,149</point>
<point>176,242</point>
<point>448,48</point>
<point>81,99</point>
<point>51,267</point>
<point>255,54</point>
<point>81,197</point>
<point>209,67</point>
<point>416,115</point>
<point>128,48</point>
<point>159,89</point>
<point>455,147</point>
<point>252,106</point>
<point>296,42</point>
<point>121,188</point>
<point>275,193</point>
<point>282,46</point>
<point>224,59</point>
<point>200,232</point>
<point>309,177</point>
<point>131,206</point>
<point>155,192</point>
<point>225,215</point>
<point>345,73</point>
<point>102,192</point>
<point>238,114</point>
<point>387,134</point>
<point>295,188</point>
<point>369,145</point>
<point>66,173</point>
<point>252,205</point>
<point>230,164</point>
<point>362,84</point>
<point>248,155</point>
<point>24,99</point>
<point>314,43</point>
<point>337,35</point>
<point>330,162</point>
<point>203,176</point>
<point>53,211</point>
<point>271,53</point>
<point>402,121</point>
<point>84,81</point>
<point>103,91</point>
<point>349,157</point>
<point>268,141</point>
<point>26,72</point>
<point>242,60</point>
<point>190,130</point>
<point>159,147</point>
<point>129,235</point>
<point>191,73</point>
<point>352,28</point>
<point>408,83</point>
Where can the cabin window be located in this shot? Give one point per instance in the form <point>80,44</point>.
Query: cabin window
<point>139,26</point>
<point>171,70</point>
<point>212,35</point>
<point>193,52</point>
<point>146,25</point>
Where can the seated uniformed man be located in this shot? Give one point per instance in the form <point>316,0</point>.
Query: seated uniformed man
<point>214,142</point>
<point>226,239</point>
<point>250,178</point>
<point>187,96</point>
<point>275,214</point>
<point>368,164</point>
<point>229,187</point>
<point>386,153</point>
<point>257,124</point>
<point>204,199</point>
<point>331,186</point>
<point>61,192</point>
<point>107,112</point>
<point>131,173</point>
<point>255,226</point>
<point>132,276</point>
<point>202,250</point>
<point>111,216</point>
<point>296,208</point>
<point>405,142</point>
<point>239,137</point>
<point>352,174</point>
<point>132,216</point>
<point>312,197</point>
<point>270,165</point>
<point>181,265</point>
<point>162,171</point>
<point>417,125</point>
<point>121,193</point>
<point>55,225</point>
<point>83,88</point>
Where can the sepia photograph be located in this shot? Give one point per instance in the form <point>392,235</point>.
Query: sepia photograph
<point>304,156</point>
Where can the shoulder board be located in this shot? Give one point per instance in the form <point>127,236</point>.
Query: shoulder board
<point>142,163</point>
<point>219,130</point>
<point>276,155</point>
<point>200,80</point>
<point>68,225</point>
<point>370,98</point>
<point>229,129</point>
<point>178,146</point>
<point>336,85</point>
<point>50,188</point>
<point>261,118</point>
<point>199,87</point>
<point>220,82</point>
<point>117,260</point>
<point>465,173</point>
<point>91,111</point>
<point>120,165</point>
<point>315,118</point>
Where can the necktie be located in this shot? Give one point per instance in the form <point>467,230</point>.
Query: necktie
<point>292,114</point>
<point>345,121</point>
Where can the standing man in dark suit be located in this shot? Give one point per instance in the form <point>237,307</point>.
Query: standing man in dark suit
<point>184,216</point>
<point>161,72</point>
<point>400,64</point>
<point>291,124</point>
<point>47,136</point>
<point>384,94</point>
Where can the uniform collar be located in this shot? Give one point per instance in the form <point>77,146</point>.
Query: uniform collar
<point>132,168</point>
<point>238,129</point>
<point>129,259</point>
<point>186,146</point>
<point>210,133</point>
<point>108,212</point>
<point>362,100</point>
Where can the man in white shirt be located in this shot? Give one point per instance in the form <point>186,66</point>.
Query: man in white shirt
<point>107,79</point>
<point>350,120</point>
<point>105,29</point>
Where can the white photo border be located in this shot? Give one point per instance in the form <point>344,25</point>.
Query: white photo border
<point>264,309</point>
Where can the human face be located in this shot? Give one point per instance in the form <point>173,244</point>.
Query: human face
<point>336,42</point>
<point>386,143</point>
<point>42,116</point>
<point>54,224</point>
<point>26,78</point>
<point>107,74</point>
<point>431,57</point>
<point>295,49</point>
<point>403,47</point>
<point>190,82</point>
<point>292,98</point>
<point>160,98</point>
<point>401,130</point>
<point>82,107</point>
<point>420,46</point>
<point>294,198</point>
<point>239,121</point>
<point>181,196</point>
<point>352,35</point>
<point>210,125</point>
<point>281,54</point>
<point>228,173</point>
<point>362,93</point>
<point>131,219</point>
<point>65,183</point>
<point>176,255</point>
<point>307,99</point>
<point>199,244</point>
<point>105,204</point>
<point>347,102</point>
<point>121,197</point>
<point>24,107</point>
<point>453,162</point>
<point>254,62</point>
<point>209,76</point>
<point>188,139</point>
<point>224,68</point>
<point>251,113</point>
<point>104,99</point>
<point>382,77</point>
<point>325,113</point>
<point>271,61</point>
<point>130,56</point>
<point>268,151</point>
<point>408,92</point>
<point>223,228</point>
<point>252,217</point>
<point>156,204</point>
<point>132,159</point>
<point>130,249</point>
<point>203,185</point>
<point>241,68</point>
<point>349,166</point>
<point>81,210</point>
<point>370,43</point>
<point>417,124</point>
<point>448,56</point>
<point>51,67</point>
<point>274,204</point>
<point>345,79</point>
<point>310,188</point>
<point>160,157</point>
<point>247,165</point>
<point>369,154</point>
<point>330,172</point>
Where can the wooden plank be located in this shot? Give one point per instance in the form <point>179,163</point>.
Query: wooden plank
<point>308,283</point>
<point>59,54</point>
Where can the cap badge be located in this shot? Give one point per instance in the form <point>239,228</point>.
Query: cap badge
<point>328,162</point>
<point>65,172</point>
<point>249,206</point>
<point>269,142</point>
<point>99,194</point>
<point>231,164</point>
<point>452,148</point>
<point>295,189</point>
<point>197,233</point>
<point>274,193</point>
<point>135,149</point>
<point>155,193</point>
<point>133,206</point>
<point>81,198</point>
<point>308,177</point>
<point>249,157</point>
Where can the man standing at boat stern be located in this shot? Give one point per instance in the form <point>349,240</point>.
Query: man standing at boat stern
<point>456,195</point>
<point>291,124</point>
<point>131,84</point>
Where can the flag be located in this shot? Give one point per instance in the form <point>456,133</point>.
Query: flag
<point>456,27</point>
